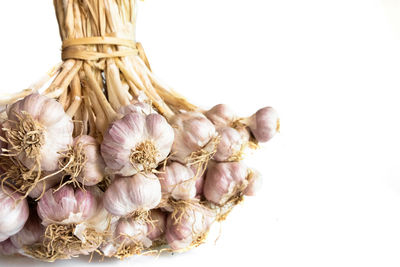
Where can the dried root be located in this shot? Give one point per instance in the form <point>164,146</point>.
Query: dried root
<point>146,155</point>
<point>72,162</point>
<point>201,157</point>
<point>61,243</point>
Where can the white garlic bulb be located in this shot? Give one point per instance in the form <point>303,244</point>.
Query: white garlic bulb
<point>38,128</point>
<point>194,224</point>
<point>255,182</point>
<point>32,233</point>
<point>137,142</point>
<point>221,115</point>
<point>67,206</point>
<point>132,231</point>
<point>264,124</point>
<point>84,162</point>
<point>178,181</point>
<point>125,195</point>
<point>7,248</point>
<point>193,132</point>
<point>14,212</point>
<point>156,228</point>
<point>224,180</point>
<point>230,145</point>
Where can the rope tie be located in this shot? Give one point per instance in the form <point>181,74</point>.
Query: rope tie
<point>73,48</point>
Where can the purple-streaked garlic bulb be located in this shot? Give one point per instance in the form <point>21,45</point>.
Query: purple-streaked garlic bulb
<point>230,146</point>
<point>132,231</point>
<point>37,130</point>
<point>157,225</point>
<point>137,106</point>
<point>193,132</point>
<point>32,233</point>
<point>221,115</point>
<point>255,182</point>
<point>178,181</point>
<point>224,180</point>
<point>191,228</point>
<point>137,142</point>
<point>7,248</point>
<point>264,124</point>
<point>67,206</point>
<point>14,212</point>
<point>141,192</point>
<point>84,162</point>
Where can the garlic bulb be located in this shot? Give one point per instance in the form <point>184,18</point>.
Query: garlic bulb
<point>32,233</point>
<point>156,228</point>
<point>255,182</point>
<point>224,180</point>
<point>14,212</point>
<point>190,230</point>
<point>141,192</point>
<point>132,231</point>
<point>83,161</point>
<point>230,146</point>
<point>7,248</point>
<point>193,132</point>
<point>137,106</point>
<point>220,115</point>
<point>264,124</point>
<point>137,142</point>
<point>67,206</point>
<point>37,129</point>
<point>178,181</point>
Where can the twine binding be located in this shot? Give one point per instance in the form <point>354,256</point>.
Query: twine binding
<point>73,48</point>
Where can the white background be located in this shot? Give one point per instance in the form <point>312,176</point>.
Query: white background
<point>331,195</point>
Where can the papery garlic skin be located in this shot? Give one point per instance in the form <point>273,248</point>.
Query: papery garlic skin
<point>32,233</point>
<point>221,115</point>
<point>178,181</point>
<point>56,129</point>
<point>66,206</point>
<point>158,224</point>
<point>93,171</point>
<point>255,182</point>
<point>126,195</point>
<point>194,223</point>
<point>137,106</point>
<point>264,124</point>
<point>7,248</point>
<point>14,212</point>
<point>193,131</point>
<point>230,144</point>
<point>223,180</point>
<point>136,134</point>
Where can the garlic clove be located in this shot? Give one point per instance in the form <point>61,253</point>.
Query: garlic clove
<point>221,115</point>
<point>137,142</point>
<point>255,182</point>
<point>224,180</point>
<point>126,195</point>
<point>66,206</point>
<point>158,224</point>
<point>193,131</point>
<point>178,181</point>
<point>264,124</point>
<point>14,212</point>
<point>230,146</point>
